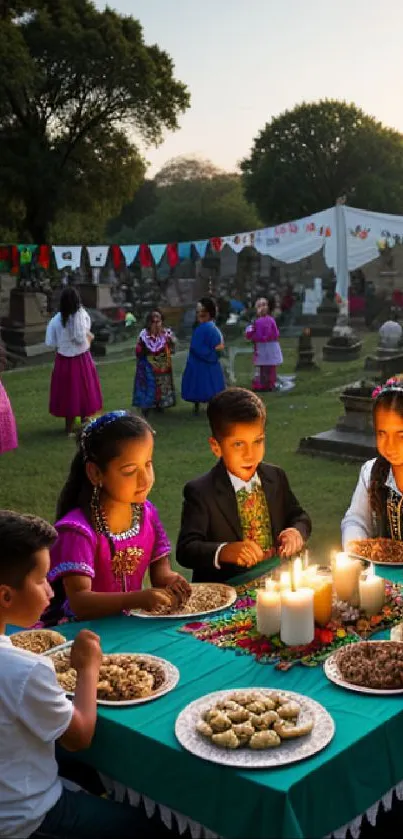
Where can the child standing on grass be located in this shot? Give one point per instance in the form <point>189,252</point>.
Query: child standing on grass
<point>267,353</point>
<point>243,510</point>
<point>8,428</point>
<point>109,535</point>
<point>35,712</point>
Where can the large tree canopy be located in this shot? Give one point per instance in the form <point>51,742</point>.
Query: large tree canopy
<point>76,85</point>
<point>195,201</point>
<point>305,159</point>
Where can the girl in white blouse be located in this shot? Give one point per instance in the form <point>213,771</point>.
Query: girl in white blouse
<point>376,507</point>
<point>75,390</point>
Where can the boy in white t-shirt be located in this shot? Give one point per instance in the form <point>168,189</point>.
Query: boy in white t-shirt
<point>34,711</point>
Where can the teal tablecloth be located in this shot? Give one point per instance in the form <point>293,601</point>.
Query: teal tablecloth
<point>137,746</point>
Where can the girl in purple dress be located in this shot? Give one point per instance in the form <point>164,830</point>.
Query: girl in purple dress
<point>109,534</point>
<point>267,355</point>
<point>8,428</point>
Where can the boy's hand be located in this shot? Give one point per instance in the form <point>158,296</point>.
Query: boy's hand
<point>245,553</point>
<point>86,651</point>
<point>290,542</point>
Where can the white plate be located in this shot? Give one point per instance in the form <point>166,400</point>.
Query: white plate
<point>59,648</point>
<point>171,680</point>
<point>245,758</point>
<point>332,672</point>
<point>232,596</point>
<point>397,564</point>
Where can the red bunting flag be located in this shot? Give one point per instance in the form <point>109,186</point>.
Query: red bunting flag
<point>117,257</point>
<point>146,259</point>
<point>172,255</point>
<point>216,243</point>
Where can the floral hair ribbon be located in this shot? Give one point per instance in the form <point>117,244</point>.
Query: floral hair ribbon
<point>392,384</point>
<point>96,425</point>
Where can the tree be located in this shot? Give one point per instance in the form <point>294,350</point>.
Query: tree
<point>142,204</point>
<point>186,168</point>
<point>305,159</point>
<point>76,84</point>
<point>197,207</point>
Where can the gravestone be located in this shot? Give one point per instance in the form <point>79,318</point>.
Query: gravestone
<point>388,359</point>
<point>23,330</point>
<point>306,352</point>
<point>343,345</point>
<point>352,438</point>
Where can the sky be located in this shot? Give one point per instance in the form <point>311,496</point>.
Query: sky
<point>246,61</point>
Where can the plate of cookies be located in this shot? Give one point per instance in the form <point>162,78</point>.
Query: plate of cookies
<point>380,551</point>
<point>38,641</point>
<point>368,667</point>
<point>254,728</point>
<point>204,599</point>
<point>124,678</point>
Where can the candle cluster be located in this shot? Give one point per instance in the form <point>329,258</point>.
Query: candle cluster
<point>304,595</point>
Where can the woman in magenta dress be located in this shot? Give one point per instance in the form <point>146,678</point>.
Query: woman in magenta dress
<point>75,390</point>
<point>8,428</point>
<point>110,535</point>
<point>267,351</point>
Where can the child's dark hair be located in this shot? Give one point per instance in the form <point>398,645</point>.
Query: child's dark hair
<point>99,443</point>
<point>236,404</point>
<point>69,303</point>
<point>209,306</point>
<point>149,318</point>
<point>21,536</point>
<point>390,398</point>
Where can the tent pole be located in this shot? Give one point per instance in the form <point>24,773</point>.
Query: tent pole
<point>342,273</point>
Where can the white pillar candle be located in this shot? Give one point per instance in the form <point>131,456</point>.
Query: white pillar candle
<point>285,580</point>
<point>372,592</point>
<point>346,573</point>
<point>268,612</point>
<point>297,623</point>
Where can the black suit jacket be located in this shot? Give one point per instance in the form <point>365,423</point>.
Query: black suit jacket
<point>210,517</point>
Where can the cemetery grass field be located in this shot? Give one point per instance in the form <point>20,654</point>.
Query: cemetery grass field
<point>32,476</point>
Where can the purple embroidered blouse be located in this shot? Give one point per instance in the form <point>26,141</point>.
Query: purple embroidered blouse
<point>80,550</point>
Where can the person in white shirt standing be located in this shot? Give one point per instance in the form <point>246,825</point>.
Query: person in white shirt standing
<point>35,712</point>
<point>75,390</point>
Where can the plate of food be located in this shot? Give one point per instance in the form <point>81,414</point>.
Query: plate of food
<point>204,599</point>
<point>368,667</point>
<point>124,678</point>
<point>39,641</point>
<point>379,551</point>
<point>254,728</point>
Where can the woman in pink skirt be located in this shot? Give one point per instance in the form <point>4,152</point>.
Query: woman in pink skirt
<point>75,390</point>
<point>267,356</point>
<point>8,429</point>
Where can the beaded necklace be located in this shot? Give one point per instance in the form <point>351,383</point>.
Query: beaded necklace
<point>124,561</point>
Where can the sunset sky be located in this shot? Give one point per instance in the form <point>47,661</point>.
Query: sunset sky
<point>246,61</point>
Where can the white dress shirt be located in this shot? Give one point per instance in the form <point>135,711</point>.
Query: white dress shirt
<point>237,484</point>
<point>34,713</point>
<point>358,520</point>
<point>72,339</point>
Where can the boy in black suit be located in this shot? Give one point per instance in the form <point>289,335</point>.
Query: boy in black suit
<point>243,510</point>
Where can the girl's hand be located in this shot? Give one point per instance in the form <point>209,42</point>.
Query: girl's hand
<point>290,542</point>
<point>179,587</point>
<point>154,600</point>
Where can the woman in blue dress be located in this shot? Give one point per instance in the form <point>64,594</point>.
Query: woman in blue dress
<point>203,376</point>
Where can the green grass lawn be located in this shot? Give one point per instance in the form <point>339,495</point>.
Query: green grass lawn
<point>32,476</point>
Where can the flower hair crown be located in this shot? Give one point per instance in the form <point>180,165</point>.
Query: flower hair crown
<point>393,384</point>
<point>97,425</point>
